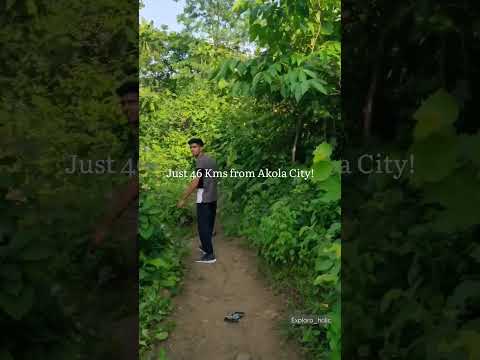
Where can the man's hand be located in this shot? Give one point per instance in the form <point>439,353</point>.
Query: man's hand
<point>193,185</point>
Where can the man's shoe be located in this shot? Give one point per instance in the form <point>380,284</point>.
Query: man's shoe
<point>207,259</point>
<point>201,249</point>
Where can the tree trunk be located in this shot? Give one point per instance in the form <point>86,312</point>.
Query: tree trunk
<point>376,72</point>
<point>368,108</point>
<point>296,141</point>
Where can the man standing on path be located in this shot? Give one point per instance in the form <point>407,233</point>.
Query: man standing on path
<point>206,186</point>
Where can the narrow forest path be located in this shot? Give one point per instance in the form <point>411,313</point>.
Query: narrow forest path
<point>210,291</point>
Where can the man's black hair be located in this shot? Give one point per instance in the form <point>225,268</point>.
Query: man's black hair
<point>127,87</point>
<point>195,141</point>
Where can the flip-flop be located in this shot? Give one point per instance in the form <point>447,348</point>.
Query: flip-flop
<point>235,316</point>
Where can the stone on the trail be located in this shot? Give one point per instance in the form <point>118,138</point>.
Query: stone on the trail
<point>243,356</point>
<point>205,298</point>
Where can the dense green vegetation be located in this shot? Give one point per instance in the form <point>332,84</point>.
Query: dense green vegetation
<point>409,279</point>
<point>267,97</point>
<point>54,298</point>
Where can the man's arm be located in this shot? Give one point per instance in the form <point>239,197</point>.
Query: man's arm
<point>120,203</point>
<point>191,187</point>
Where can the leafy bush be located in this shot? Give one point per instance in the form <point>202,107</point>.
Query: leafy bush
<point>298,235</point>
<point>47,215</point>
<point>160,266</point>
<point>425,224</point>
<point>268,108</point>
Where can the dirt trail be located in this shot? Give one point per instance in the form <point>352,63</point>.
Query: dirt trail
<point>210,291</point>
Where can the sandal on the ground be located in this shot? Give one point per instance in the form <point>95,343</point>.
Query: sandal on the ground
<point>234,316</point>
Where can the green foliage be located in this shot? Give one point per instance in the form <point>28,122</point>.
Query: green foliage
<point>295,225</point>
<point>172,60</point>
<point>215,21</point>
<point>444,161</point>
<point>292,25</point>
<point>426,226</point>
<point>53,53</point>
<point>248,107</point>
<point>298,68</point>
<point>160,222</point>
<point>302,50</point>
<point>291,77</point>
<point>160,264</point>
<point>161,251</point>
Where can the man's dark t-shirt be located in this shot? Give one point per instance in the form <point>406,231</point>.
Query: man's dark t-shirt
<point>207,186</point>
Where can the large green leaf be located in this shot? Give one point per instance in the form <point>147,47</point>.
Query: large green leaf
<point>322,170</point>
<point>332,187</point>
<point>325,279</point>
<point>322,152</point>
<point>438,111</point>
<point>316,84</point>
<point>158,263</point>
<point>292,76</point>
<point>300,89</point>
<point>435,157</point>
<point>147,231</point>
<point>311,73</point>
